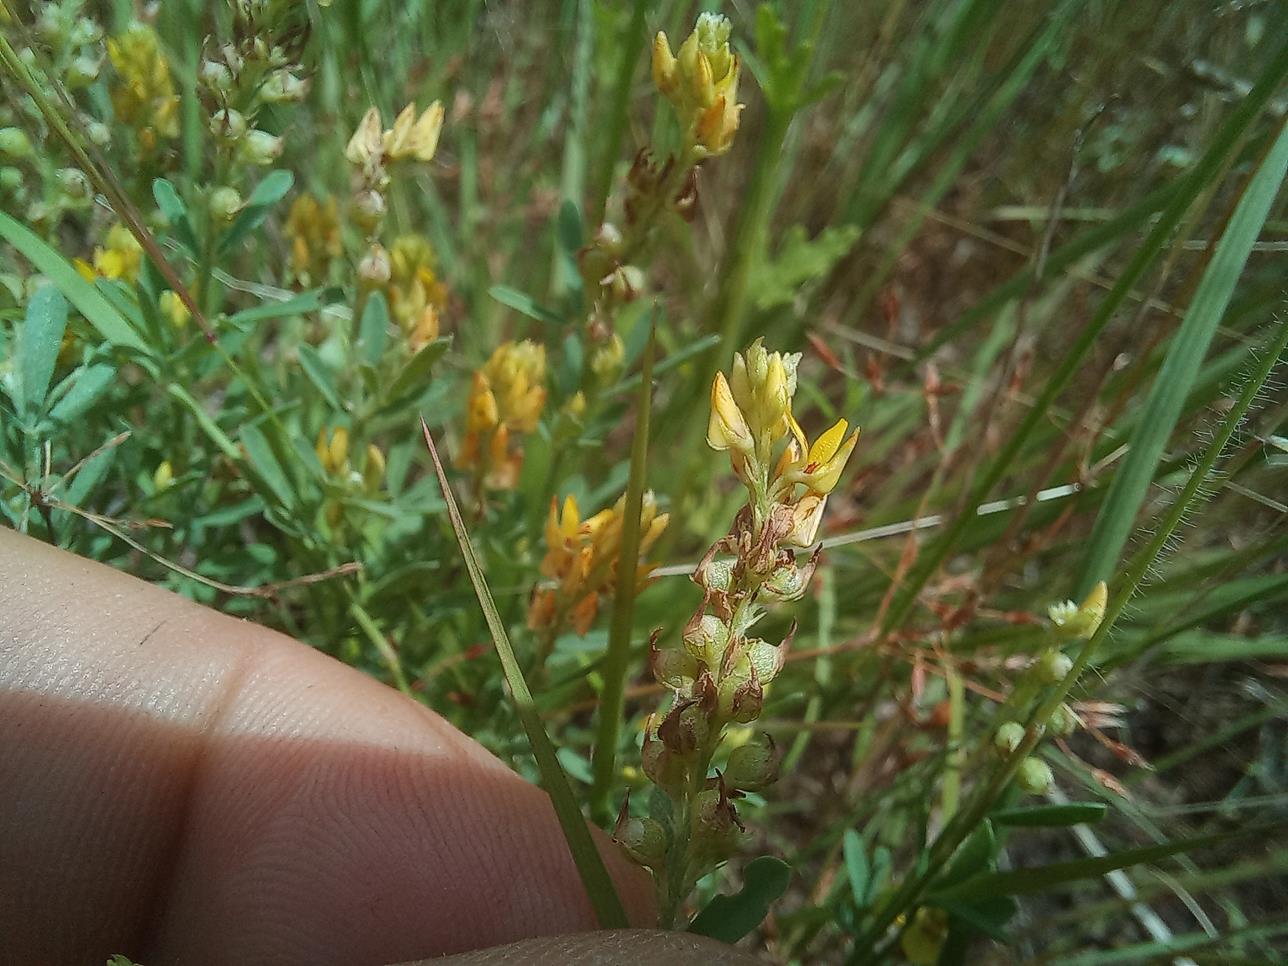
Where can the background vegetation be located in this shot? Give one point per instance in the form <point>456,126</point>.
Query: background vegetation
<point>991,228</point>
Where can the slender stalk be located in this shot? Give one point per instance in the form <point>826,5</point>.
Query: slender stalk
<point>629,48</point>
<point>590,864</point>
<point>613,698</point>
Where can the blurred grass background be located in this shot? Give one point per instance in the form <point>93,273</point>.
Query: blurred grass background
<point>983,223</point>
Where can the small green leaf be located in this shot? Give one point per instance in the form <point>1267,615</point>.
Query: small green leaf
<point>857,868</point>
<point>799,260</point>
<point>301,304</point>
<point>42,335</point>
<point>204,420</point>
<point>175,212</point>
<point>971,857</point>
<point>1043,816</point>
<point>319,375</point>
<point>266,194</point>
<point>729,918</point>
<point>524,303</point>
<point>373,329</point>
<point>90,383</point>
<point>265,464</point>
<point>414,377</point>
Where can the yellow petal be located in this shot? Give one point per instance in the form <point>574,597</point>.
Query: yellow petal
<point>825,446</point>
<point>727,427</point>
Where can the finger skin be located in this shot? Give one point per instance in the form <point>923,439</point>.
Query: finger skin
<point>639,947</point>
<point>185,787</point>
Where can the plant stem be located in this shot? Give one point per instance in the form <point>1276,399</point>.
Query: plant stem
<point>612,699</point>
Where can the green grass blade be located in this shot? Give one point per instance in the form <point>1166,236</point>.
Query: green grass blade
<point>87,299</point>
<point>590,865</point>
<point>612,700</point>
<point>1180,368</point>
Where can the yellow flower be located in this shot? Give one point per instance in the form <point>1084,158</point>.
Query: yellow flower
<point>821,469</point>
<point>173,308</point>
<point>364,147</point>
<point>516,374</point>
<point>581,559</point>
<point>163,476</point>
<point>412,138</point>
<point>727,427</point>
<point>762,384</point>
<point>120,257</point>
<point>416,296</point>
<point>701,82</point>
<point>143,95</point>
<point>313,229</point>
<point>506,398</point>
<point>333,451</point>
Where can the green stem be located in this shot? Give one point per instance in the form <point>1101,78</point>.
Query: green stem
<point>618,114</point>
<point>612,700</point>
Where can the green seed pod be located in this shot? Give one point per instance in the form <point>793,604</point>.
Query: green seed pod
<point>1008,737</point>
<point>753,766</point>
<point>1035,776</point>
<point>643,839</point>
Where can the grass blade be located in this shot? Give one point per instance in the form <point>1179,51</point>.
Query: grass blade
<point>612,700</point>
<point>88,300</point>
<point>1180,368</point>
<point>590,865</point>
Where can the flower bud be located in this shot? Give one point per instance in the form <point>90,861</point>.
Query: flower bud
<point>373,470</point>
<point>83,71</point>
<point>1054,666</point>
<point>228,124</point>
<point>14,143</point>
<point>225,203</point>
<point>1008,738</point>
<point>1083,620</point>
<point>260,148</point>
<point>74,184</point>
<point>283,87</point>
<point>99,133</point>
<point>752,766</point>
<point>1063,722</point>
<point>1035,776</point>
<point>216,76</point>
<point>163,475</point>
<point>369,210</point>
<point>374,270</point>
<point>173,308</point>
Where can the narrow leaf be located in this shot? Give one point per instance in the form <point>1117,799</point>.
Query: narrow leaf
<point>266,194</point>
<point>87,299</point>
<point>175,212</point>
<point>590,865</point>
<point>1051,816</point>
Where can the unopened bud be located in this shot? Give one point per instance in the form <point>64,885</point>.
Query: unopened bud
<point>283,87</point>
<point>228,124</point>
<point>14,143</point>
<point>1080,621</point>
<point>99,133</point>
<point>260,148</point>
<point>225,203</point>
<point>1008,737</point>
<point>83,71</point>
<point>1035,776</point>
<point>163,475</point>
<point>369,210</point>
<point>1054,666</point>
<point>73,183</point>
<point>1063,722</point>
<point>373,471</point>
<point>374,270</point>
<point>216,76</point>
